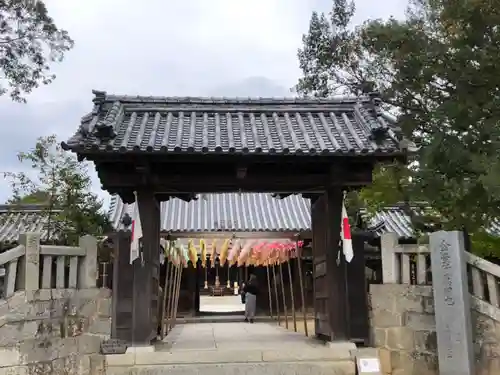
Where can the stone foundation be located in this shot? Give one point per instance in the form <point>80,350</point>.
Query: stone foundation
<point>403,328</point>
<point>53,331</point>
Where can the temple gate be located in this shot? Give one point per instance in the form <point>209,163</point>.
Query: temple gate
<point>157,148</point>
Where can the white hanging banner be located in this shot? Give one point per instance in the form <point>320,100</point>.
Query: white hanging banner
<point>136,232</point>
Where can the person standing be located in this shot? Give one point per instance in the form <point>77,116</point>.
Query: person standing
<point>251,290</point>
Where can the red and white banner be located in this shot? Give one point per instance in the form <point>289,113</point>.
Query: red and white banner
<point>345,235</point>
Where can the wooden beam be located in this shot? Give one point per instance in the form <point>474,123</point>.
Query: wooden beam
<point>189,178</point>
<point>215,158</point>
<point>243,235</point>
<point>164,193</point>
<point>177,184</point>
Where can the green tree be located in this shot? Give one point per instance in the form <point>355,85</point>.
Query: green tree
<point>435,71</point>
<point>29,42</point>
<point>37,197</point>
<point>63,184</point>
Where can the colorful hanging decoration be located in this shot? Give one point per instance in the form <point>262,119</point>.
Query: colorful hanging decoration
<point>294,253</point>
<point>175,256</point>
<point>245,253</point>
<point>224,252</point>
<point>283,253</point>
<point>203,252</point>
<point>233,253</point>
<point>193,256</point>
<point>184,255</point>
<point>213,254</point>
<point>169,249</point>
<point>258,253</point>
<point>272,254</point>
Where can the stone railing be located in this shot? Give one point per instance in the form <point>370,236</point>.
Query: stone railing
<point>31,266</point>
<point>485,278</point>
<point>410,264</point>
<point>404,264</point>
<point>53,318</point>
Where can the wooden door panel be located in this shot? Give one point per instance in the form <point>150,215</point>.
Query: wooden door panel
<point>358,293</point>
<point>123,282</point>
<point>320,269</point>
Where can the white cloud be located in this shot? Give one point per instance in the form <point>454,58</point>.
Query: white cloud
<point>158,47</point>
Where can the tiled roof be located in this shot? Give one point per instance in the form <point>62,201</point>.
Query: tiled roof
<point>22,218</point>
<point>390,219</point>
<point>234,212</point>
<point>394,219</point>
<point>352,126</point>
<point>494,228</point>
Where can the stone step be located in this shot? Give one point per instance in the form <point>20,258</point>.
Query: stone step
<point>253,368</point>
<point>287,353</point>
<point>336,359</point>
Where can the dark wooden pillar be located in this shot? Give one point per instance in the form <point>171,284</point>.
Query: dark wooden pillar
<point>191,278</point>
<point>329,270</point>
<point>146,270</point>
<point>123,284</point>
<point>357,291</point>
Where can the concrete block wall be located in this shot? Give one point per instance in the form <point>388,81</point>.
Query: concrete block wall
<point>403,329</point>
<point>54,331</point>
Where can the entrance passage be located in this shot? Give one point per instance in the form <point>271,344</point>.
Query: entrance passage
<point>231,337</point>
<point>244,342</point>
<point>237,348</point>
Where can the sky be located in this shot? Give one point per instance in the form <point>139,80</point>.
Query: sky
<point>166,48</point>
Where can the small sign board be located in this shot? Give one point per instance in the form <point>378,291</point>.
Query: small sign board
<point>113,346</point>
<point>368,366</point>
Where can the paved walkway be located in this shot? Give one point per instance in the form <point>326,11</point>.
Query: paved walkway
<point>235,348</point>
<point>235,336</point>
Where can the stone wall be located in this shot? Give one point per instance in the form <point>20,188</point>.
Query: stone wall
<point>53,331</point>
<point>403,328</point>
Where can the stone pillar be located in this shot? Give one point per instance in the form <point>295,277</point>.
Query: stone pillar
<point>87,273</point>
<point>452,303</point>
<point>29,279</point>
<point>390,267</point>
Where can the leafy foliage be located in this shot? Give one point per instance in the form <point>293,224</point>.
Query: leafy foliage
<point>37,197</point>
<point>29,42</point>
<point>436,73</point>
<point>60,181</point>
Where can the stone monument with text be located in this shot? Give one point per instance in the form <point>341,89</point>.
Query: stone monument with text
<point>452,303</point>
